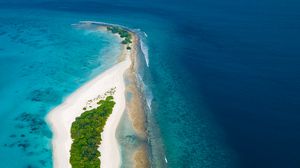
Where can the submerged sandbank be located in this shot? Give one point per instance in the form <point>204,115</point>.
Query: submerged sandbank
<point>136,113</point>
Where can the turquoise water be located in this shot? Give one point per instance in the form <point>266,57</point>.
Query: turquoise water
<point>49,59</point>
<point>222,77</point>
<point>43,59</point>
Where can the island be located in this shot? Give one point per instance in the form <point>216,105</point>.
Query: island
<point>84,125</point>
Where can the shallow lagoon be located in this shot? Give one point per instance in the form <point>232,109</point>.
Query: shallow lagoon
<point>43,59</point>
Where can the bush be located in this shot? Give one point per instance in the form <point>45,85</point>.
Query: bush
<point>122,33</point>
<point>86,134</point>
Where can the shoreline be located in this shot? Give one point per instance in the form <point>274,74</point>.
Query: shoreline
<point>136,113</point>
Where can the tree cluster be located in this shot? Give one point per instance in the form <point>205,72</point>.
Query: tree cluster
<point>122,33</point>
<point>86,134</point>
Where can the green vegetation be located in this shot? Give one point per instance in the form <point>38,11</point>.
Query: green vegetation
<point>126,41</point>
<point>86,134</point>
<point>122,33</point>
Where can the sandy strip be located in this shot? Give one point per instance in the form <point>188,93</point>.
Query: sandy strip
<point>61,118</point>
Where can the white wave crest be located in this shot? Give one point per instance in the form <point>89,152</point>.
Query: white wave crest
<point>147,92</point>
<point>145,50</point>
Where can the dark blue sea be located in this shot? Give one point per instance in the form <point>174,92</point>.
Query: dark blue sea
<point>224,77</point>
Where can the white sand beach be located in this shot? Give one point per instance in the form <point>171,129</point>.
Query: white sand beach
<point>61,118</point>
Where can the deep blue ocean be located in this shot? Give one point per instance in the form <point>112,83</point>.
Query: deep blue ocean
<point>224,76</point>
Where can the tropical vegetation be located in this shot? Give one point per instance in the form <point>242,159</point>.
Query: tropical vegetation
<point>86,134</point>
<point>124,34</point>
